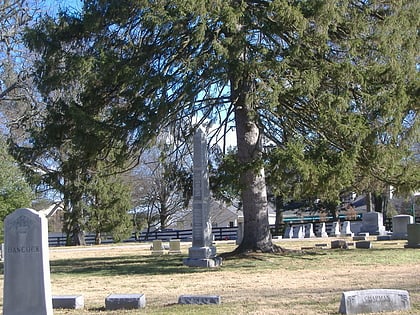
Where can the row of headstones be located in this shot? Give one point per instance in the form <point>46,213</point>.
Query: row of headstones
<point>371,223</point>
<point>307,230</point>
<point>127,301</point>
<point>158,247</point>
<point>352,302</point>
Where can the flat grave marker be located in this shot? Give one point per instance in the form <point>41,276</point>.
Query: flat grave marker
<point>68,301</point>
<point>364,244</point>
<point>125,301</point>
<point>199,299</point>
<point>374,301</point>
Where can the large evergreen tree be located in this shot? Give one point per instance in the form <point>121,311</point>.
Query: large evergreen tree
<point>108,205</point>
<point>335,78</point>
<point>15,192</point>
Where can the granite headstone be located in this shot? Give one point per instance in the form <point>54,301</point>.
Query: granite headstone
<point>202,253</point>
<point>374,301</point>
<point>413,235</point>
<point>27,284</point>
<point>372,223</point>
<point>399,226</point>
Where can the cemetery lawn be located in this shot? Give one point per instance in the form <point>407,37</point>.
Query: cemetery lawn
<point>301,282</point>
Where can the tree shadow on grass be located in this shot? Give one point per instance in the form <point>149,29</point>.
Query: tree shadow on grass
<point>123,265</point>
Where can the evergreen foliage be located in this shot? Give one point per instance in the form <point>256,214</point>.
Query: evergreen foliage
<point>15,192</point>
<point>108,204</point>
<point>335,81</point>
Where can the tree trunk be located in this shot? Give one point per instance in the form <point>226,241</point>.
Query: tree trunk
<point>163,216</point>
<point>279,216</point>
<point>369,205</point>
<point>98,239</point>
<point>257,235</point>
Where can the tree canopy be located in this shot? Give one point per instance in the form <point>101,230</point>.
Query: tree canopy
<point>15,192</point>
<point>336,80</point>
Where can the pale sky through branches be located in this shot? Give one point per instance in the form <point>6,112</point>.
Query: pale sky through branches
<point>52,7</point>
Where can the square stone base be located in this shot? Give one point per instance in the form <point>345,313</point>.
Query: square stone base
<point>201,252</point>
<point>203,262</point>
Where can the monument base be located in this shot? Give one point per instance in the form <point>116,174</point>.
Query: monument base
<point>202,252</point>
<point>204,262</point>
<point>202,257</point>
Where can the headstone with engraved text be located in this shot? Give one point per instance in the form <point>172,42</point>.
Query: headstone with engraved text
<point>374,301</point>
<point>27,284</point>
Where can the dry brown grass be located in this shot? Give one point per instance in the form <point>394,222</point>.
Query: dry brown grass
<point>298,283</point>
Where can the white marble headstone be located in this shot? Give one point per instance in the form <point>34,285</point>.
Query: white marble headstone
<point>322,230</point>
<point>309,230</point>
<point>27,284</point>
<point>335,230</point>
<point>346,229</point>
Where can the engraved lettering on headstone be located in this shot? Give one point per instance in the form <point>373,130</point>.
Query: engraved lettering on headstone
<point>27,287</point>
<point>374,301</point>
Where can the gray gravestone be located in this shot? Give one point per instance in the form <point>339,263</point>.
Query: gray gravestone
<point>372,223</point>
<point>339,244</point>
<point>298,231</point>
<point>399,226</point>
<point>413,235</point>
<point>364,244</point>
<point>125,301</point>
<point>27,284</point>
<point>199,299</point>
<point>374,301</point>
<point>68,301</point>
<point>202,253</point>
<point>288,233</point>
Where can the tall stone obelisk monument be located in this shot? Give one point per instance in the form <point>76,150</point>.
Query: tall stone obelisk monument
<point>202,253</point>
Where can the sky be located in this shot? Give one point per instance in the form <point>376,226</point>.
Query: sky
<point>53,6</point>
